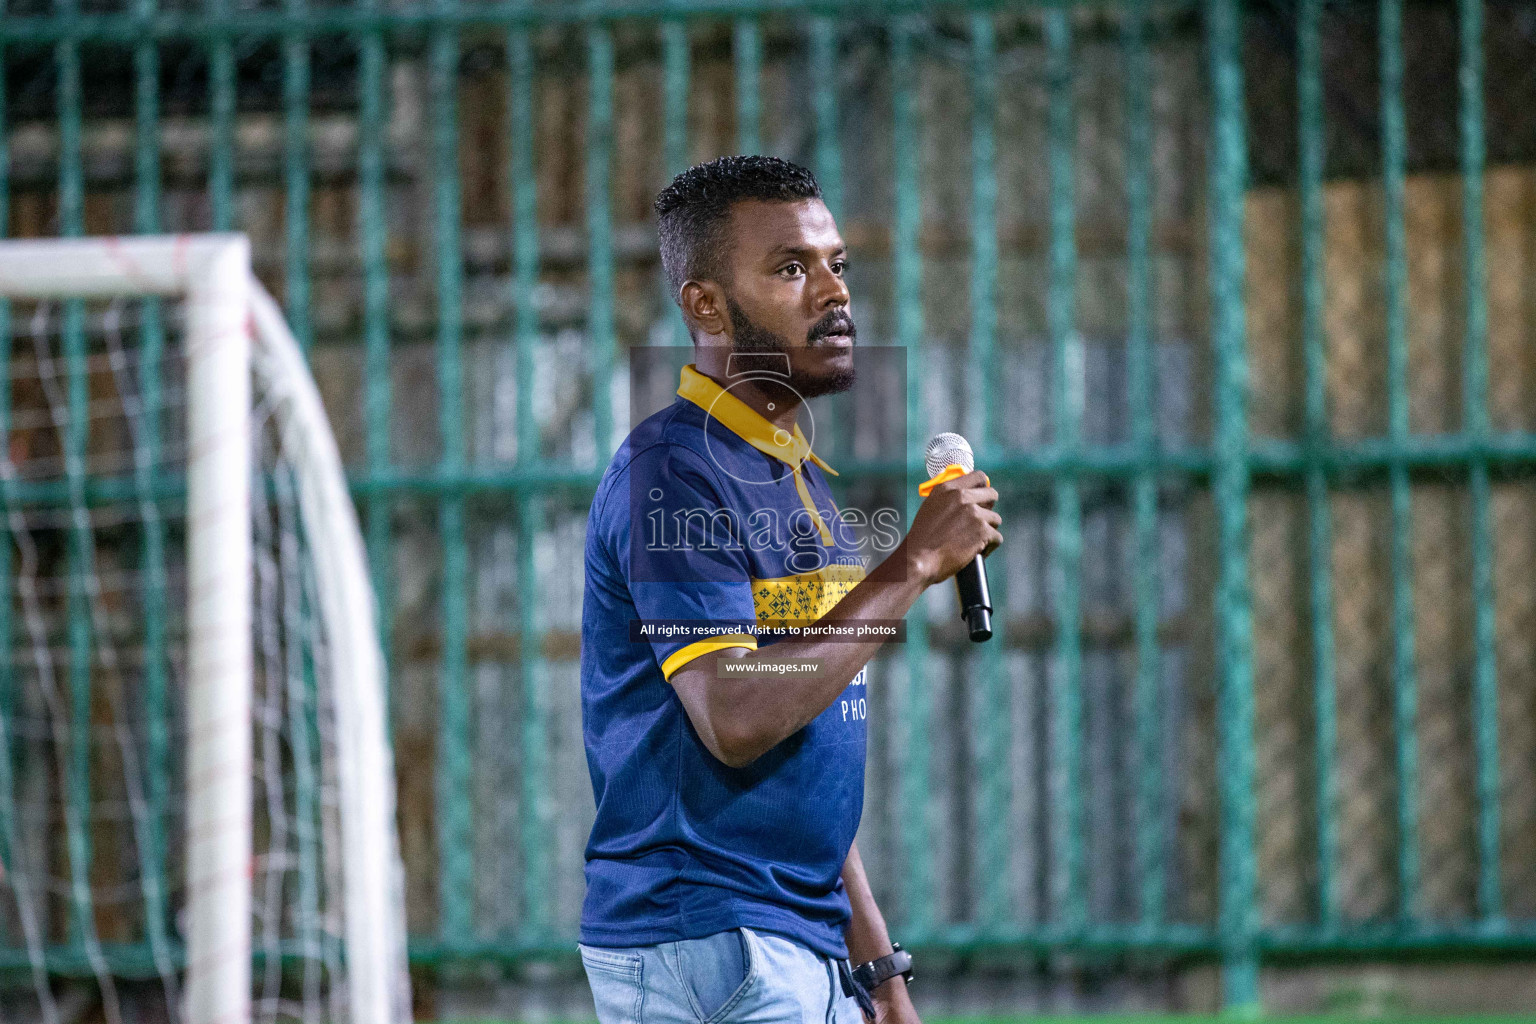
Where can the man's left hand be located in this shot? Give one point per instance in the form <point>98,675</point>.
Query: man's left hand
<point>893,1005</point>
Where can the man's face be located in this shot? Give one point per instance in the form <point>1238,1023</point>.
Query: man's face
<point>786,292</point>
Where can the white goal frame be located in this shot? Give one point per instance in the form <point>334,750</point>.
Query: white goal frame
<point>234,329</point>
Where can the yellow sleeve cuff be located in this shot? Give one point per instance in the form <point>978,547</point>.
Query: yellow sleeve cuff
<point>700,648</point>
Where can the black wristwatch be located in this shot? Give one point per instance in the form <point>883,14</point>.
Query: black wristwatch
<point>877,972</point>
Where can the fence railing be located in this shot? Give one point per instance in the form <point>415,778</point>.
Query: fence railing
<point>1050,209</point>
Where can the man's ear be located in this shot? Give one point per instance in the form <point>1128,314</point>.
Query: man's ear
<point>703,304</point>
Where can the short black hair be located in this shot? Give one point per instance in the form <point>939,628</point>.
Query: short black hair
<point>694,210</point>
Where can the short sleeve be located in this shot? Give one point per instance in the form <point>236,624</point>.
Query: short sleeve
<point>681,548</point>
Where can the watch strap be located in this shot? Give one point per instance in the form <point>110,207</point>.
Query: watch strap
<point>877,972</point>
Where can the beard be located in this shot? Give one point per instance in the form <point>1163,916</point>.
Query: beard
<point>747,336</point>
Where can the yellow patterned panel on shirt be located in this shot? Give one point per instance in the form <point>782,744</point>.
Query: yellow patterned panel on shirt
<point>806,597</point>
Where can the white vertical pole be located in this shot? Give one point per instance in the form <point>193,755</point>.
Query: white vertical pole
<point>219,615</point>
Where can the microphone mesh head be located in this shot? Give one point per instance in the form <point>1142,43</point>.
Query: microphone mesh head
<point>946,448</point>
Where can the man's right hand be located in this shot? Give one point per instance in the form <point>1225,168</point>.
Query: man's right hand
<point>953,525</point>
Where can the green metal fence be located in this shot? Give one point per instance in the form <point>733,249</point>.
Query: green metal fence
<point>1014,227</point>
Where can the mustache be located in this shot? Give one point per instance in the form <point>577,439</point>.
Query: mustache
<point>836,322</point>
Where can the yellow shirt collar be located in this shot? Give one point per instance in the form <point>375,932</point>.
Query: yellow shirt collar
<point>746,422</point>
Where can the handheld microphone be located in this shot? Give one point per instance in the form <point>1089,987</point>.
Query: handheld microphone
<point>971,582</point>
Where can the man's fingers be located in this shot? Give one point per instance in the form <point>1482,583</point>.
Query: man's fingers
<point>975,478</point>
<point>993,544</point>
<point>986,497</point>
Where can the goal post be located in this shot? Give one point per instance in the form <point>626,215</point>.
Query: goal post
<point>374,913</point>
<point>247,390</point>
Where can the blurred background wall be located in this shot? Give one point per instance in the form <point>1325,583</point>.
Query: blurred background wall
<point>455,210</point>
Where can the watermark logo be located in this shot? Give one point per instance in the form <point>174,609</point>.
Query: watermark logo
<point>734,479</point>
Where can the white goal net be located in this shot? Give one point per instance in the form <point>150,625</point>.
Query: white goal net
<point>196,793</point>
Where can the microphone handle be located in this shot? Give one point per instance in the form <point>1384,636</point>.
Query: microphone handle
<point>975,600</point>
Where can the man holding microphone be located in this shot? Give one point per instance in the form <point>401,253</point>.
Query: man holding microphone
<point>723,882</point>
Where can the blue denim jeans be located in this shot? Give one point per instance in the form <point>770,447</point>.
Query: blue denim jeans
<point>740,976</point>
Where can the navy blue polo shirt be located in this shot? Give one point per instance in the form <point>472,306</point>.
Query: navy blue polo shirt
<point>708,513</point>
